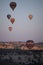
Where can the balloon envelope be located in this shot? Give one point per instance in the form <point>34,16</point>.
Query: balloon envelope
<point>30,17</point>
<point>12,20</point>
<point>30,46</point>
<point>8,16</point>
<point>13,5</point>
<point>10,28</point>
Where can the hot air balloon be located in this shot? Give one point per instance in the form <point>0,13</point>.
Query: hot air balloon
<point>10,28</point>
<point>30,16</point>
<point>12,20</point>
<point>13,5</point>
<point>8,16</point>
<point>30,44</point>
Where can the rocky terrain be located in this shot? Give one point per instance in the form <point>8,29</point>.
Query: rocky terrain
<point>21,57</point>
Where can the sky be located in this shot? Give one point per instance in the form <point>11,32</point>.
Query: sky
<point>23,28</point>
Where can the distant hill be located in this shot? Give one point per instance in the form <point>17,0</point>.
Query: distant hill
<point>39,43</point>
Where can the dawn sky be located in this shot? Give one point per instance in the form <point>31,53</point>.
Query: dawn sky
<point>23,28</point>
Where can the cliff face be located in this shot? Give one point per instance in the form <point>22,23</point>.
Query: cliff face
<point>19,45</point>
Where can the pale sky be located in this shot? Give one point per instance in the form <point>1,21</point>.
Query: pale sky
<point>23,28</point>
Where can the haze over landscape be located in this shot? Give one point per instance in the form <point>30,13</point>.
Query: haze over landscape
<point>23,28</point>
